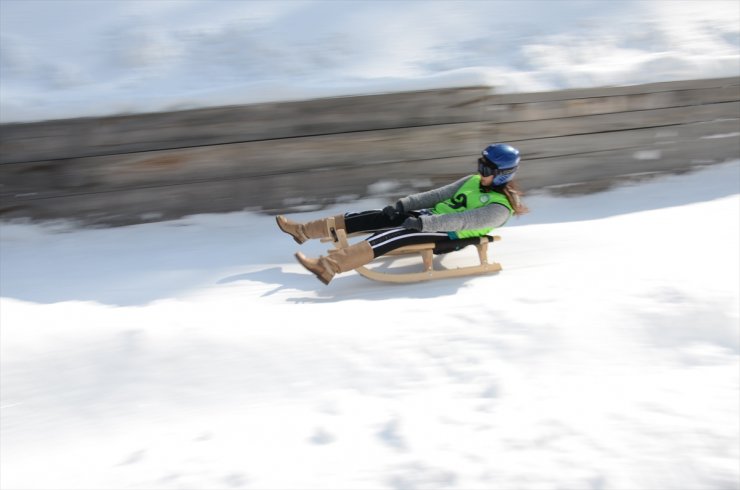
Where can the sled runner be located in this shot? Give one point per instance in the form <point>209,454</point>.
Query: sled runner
<point>427,252</point>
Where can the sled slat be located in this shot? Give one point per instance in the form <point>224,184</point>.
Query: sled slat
<point>428,275</point>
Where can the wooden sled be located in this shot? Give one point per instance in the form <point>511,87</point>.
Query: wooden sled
<point>427,251</point>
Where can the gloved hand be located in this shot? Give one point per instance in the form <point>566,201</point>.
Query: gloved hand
<point>393,211</point>
<point>412,223</point>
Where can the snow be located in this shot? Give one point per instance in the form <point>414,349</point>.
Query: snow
<point>198,354</point>
<point>86,57</point>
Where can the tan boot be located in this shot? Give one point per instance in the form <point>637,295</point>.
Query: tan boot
<point>313,229</point>
<point>341,260</point>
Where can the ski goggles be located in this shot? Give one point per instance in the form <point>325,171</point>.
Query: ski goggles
<point>486,169</point>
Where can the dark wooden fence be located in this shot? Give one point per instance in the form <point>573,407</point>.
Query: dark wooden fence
<point>282,156</point>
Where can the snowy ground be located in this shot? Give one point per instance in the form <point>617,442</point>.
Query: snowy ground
<point>69,58</point>
<point>197,354</point>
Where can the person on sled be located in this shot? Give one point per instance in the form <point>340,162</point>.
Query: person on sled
<point>469,207</point>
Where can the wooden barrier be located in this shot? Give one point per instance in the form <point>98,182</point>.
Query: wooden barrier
<point>278,157</point>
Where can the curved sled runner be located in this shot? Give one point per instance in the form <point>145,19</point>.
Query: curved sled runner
<point>427,251</point>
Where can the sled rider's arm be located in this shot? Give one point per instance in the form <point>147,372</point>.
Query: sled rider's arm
<point>491,216</point>
<point>428,199</point>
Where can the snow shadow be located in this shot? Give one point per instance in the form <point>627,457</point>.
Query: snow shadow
<point>344,287</point>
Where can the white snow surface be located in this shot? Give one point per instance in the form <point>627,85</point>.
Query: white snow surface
<point>198,354</point>
<point>70,58</point>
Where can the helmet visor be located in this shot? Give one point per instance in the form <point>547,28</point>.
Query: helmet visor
<point>487,168</point>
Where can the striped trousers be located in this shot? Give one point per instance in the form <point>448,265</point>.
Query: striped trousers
<point>388,234</point>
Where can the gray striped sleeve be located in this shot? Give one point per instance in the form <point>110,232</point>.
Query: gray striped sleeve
<point>428,199</point>
<point>491,216</point>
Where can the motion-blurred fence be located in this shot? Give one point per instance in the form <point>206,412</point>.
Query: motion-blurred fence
<point>284,156</point>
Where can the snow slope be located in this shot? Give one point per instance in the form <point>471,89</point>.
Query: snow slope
<point>87,57</point>
<point>197,354</point>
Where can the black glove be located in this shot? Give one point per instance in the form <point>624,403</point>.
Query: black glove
<point>412,223</point>
<point>393,212</point>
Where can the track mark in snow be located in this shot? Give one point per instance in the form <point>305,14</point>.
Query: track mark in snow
<point>235,480</point>
<point>321,437</point>
<point>391,437</point>
<point>418,475</point>
<point>135,457</point>
<point>206,436</point>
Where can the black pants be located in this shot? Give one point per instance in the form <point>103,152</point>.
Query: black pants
<point>389,235</point>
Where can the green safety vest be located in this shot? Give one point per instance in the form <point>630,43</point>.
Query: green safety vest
<point>470,196</point>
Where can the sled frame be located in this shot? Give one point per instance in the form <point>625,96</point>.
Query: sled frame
<point>426,250</point>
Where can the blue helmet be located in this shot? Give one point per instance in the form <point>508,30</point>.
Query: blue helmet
<point>501,161</point>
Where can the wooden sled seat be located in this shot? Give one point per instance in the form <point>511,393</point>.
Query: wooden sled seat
<point>427,252</point>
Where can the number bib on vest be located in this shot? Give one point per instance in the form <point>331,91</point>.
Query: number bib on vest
<point>470,196</point>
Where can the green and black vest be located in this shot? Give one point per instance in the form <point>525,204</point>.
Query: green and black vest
<point>471,196</point>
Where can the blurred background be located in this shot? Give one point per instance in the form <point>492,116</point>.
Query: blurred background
<point>139,111</point>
